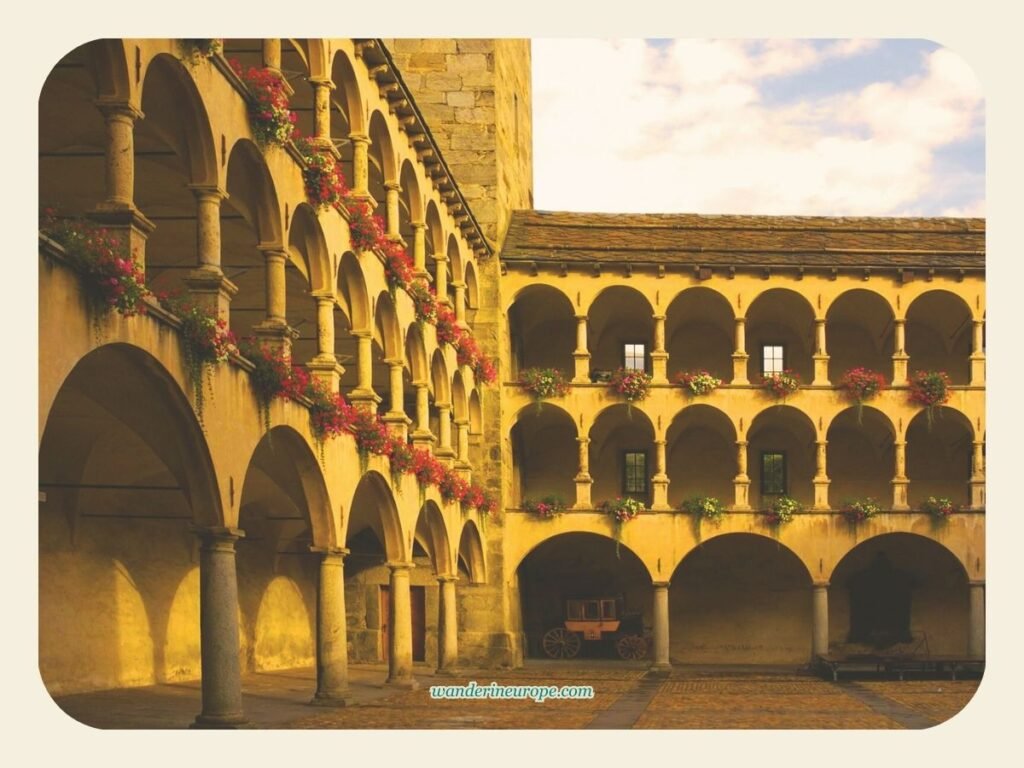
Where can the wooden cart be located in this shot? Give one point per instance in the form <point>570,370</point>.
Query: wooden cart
<point>592,620</point>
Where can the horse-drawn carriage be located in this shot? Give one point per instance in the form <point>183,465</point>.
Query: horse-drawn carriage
<point>594,620</point>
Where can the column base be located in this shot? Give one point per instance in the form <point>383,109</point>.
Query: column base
<point>366,397</point>
<point>409,683</point>
<point>661,666</point>
<point>449,672</point>
<point>327,699</point>
<point>211,722</point>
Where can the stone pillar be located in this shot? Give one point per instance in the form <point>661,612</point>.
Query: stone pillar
<point>218,629</point>
<point>659,357</point>
<point>422,437</point>
<point>322,87</point>
<point>400,652</point>
<point>444,431</point>
<point>447,626</point>
<point>976,620</point>
<point>741,483</point>
<point>900,358</point>
<point>581,354</point>
<point>977,481</point>
<point>660,480</point>
<point>360,164</point>
<point>207,284</point>
<point>331,630</point>
<point>821,480</point>
<point>820,355</point>
<point>325,365</point>
<point>583,478</point>
<point>395,417</point>
<point>363,392</point>
<point>819,618</point>
<point>419,250</point>
<point>661,618</point>
<point>978,355</point>
<point>740,356</point>
<point>391,190</point>
<point>460,303</point>
<point>462,443</point>
<point>274,330</point>
<point>441,278</point>
<point>900,482</point>
<point>272,54</point>
<point>117,211</point>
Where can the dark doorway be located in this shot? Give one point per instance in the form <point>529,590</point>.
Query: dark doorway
<point>880,604</point>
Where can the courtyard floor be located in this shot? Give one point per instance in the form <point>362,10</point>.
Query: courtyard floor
<point>624,697</point>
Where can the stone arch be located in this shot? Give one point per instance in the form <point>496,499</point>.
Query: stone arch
<point>386,328</point>
<point>252,192</point>
<point>460,403</point>
<point>740,598</point>
<point>434,232</point>
<point>860,456</point>
<point>306,238</point>
<point>347,98</point>
<point>472,289</point>
<point>939,456</point>
<point>789,431</point>
<point>471,553</point>
<point>411,197</point>
<point>617,316</point>
<point>382,151</point>
<point>352,288</point>
<point>475,413</point>
<point>700,454</point>
<point>432,531</point>
<point>859,332</point>
<point>544,454</point>
<point>783,317</point>
<point>616,431</point>
<point>308,269</point>
<point>542,329</point>
<point>939,334</point>
<point>416,354</point>
<point>699,325</point>
<point>373,508</point>
<point>108,61</point>
<point>454,260</point>
<point>439,378</point>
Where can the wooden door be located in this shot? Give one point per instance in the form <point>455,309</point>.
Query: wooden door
<point>385,622</point>
<point>419,623</point>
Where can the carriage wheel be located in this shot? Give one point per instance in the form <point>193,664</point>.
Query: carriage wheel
<point>631,647</point>
<point>560,643</point>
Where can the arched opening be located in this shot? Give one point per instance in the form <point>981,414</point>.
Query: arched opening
<point>939,335</point>
<point>542,330</point>
<point>476,419</point>
<point>440,391</point>
<point>939,457</point>
<point>544,455</point>
<point>900,588</point>
<point>453,267</point>
<point>382,167</point>
<point>432,556</point>
<point>861,457</point>
<point>353,317</point>
<point>284,511</point>
<point>410,202</point>
<point>434,238</point>
<point>780,334</point>
<point>699,333</point>
<point>295,69</point>
<point>472,293</point>
<point>701,455</point>
<point>581,576</point>
<point>859,333</point>
<point>387,346</point>
<point>471,563</point>
<point>307,269</point>
<point>417,370</point>
<point>740,598</point>
<point>622,454</point>
<point>124,472</point>
<point>374,537</point>
<point>781,456</point>
<point>346,111</point>
<point>618,317</point>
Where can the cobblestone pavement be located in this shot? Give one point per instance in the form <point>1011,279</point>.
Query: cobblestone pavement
<point>625,696</point>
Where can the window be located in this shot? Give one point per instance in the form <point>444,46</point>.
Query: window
<point>634,357</point>
<point>773,359</point>
<point>635,476</point>
<point>773,473</point>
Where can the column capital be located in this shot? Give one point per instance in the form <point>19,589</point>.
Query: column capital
<point>447,577</point>
<point>661,584</point>
<point>392,186</point>
<point>213,192</point>
<point>272,251</point>
<point>458,284</point>
<point>976,582</point>
<point>440,257</point>
<point>658,316</point>
<point>418,225</point>
<point>322,82</point>
<point>217,534</point>
<point>330,552</point>
<point>398,566</point>
<point>742,443</point>
<point>821,584</point>
<point>111,106</point>
<point>583,440</point>
<point>359,138</point>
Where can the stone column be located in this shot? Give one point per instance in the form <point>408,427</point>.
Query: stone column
<point>422,437</point>
<point>325,365</point>
<point>900,482</point>
<point>400,652</point>
<point>322,87</point>
<point>820,355</point>
<point>581,354</point>
<point>583,478</point>
<point>977,481</point>
<point>659,357</point>
<point>363,392</point>
<point>660,480</point>
<point>207,284</point>
<point>419,250</point>
<point>821,480</point>
<point>740,356</point>
<point>391,190</point>
<point>272,54</point>
<point>218,629</point>
<point>819,618</point>
<point>274,330</point>
<point>900,358</point>
<point>741,483</point>
<point>460,303</point>
<point>462,443</point>
<point>331,630</point>
<point>441,278</point>
<point>396,417</point>
<point>661,618</point>
<point>447,626</point>
<point>976,620</point>
<point>444,431</point>
<point>117,211</point>
<point>360,165</point>
<point>978,355</point>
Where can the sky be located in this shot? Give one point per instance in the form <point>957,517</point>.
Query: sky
<point>780,126</point>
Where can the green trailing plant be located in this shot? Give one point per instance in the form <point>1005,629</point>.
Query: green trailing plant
<point>859,510</point>
<point>938,507</point>
<point>781,510</point>
<point>705,508</point>
<point>929,389</point>
<point>622,510</point>
<point>544,383</point>
<point>860,385</point>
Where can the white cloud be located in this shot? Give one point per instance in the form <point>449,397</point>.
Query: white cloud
<point>623,126</point>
